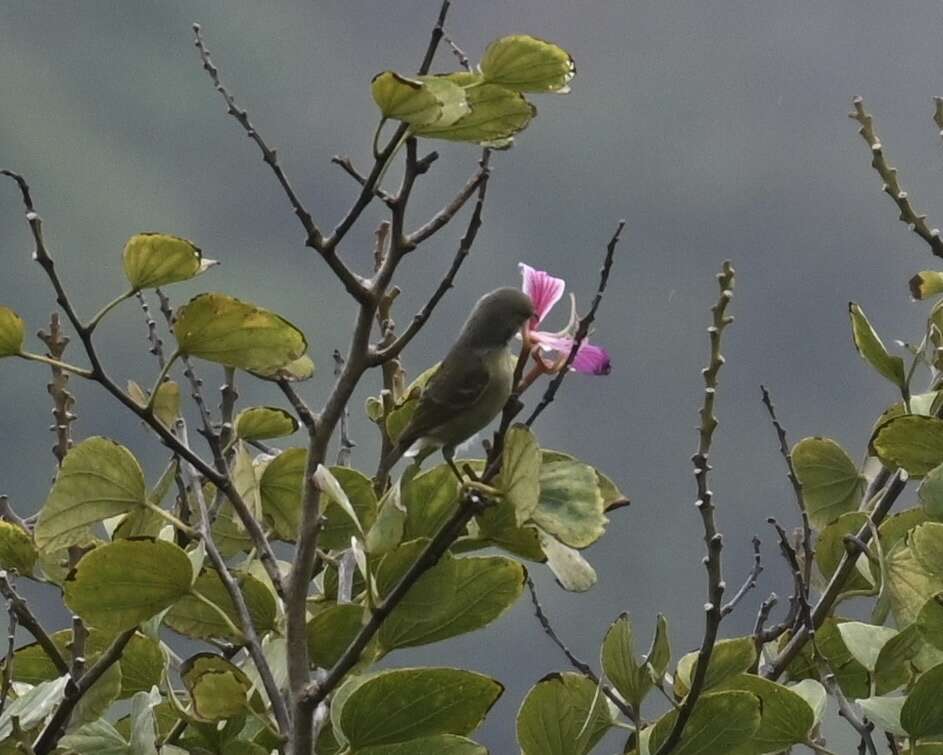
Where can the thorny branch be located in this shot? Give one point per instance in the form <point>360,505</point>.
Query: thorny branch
<point>891,186</point>
<point>750,582</point>
<point>31,624</point>
<point>705,505</point>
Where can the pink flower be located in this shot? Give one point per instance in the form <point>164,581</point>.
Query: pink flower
<point>545,291</point>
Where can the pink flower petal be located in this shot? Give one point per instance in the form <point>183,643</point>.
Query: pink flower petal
<point>543,289</point>
<point>590,359</point>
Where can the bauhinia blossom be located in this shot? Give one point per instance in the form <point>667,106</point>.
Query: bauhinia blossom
<point>545,291</point>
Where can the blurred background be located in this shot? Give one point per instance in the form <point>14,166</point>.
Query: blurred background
<point>717,129</point>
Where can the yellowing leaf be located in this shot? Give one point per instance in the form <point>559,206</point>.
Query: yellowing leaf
<point>912,442</point>
<point>98,479</point>
<point>222,329</point>
<point>11,332</point>
<point>118,585</point>
<point>926,284</point>
<point>156,259</point>
<point>831,483</point>
<point>528,64</point>
<point>872,349</point>
<point>415,101</point>
<point>520,472</point>
<point>16,549</point>
<point>264,422</point>
<point>217,688</point>
<point>497,114</point>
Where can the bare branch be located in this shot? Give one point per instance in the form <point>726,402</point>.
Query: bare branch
<point>445,215</point>
<point>346,444</point>
<point>7,682</point>
<point>845,567</point>
<point>808,550</point>
<point>253,644</point>
<point>153,337</point>
<point>464,248</point>
<point>705,505</point>
<point>891,186</point>
<point>750,582</point>
<point>584,668</point>
<point>582,330</point>
<point>31,624</point>
<point>314,239</point>
<point>348,167</point>
<point>73,693</point>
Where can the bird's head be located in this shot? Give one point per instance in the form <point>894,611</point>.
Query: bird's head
<point>497,317</point>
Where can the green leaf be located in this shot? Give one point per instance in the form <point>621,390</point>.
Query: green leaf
<point>333,492</point>
<point>925,284</point>
<point>831,483</point>
<point>429,498</point>
<point>99,697</point>
<point>453,101</point>
<point>922,714</point>
<point>193,618</point>
<point>263,422</point>
<point>98,479</point>
<point>884,712</point>
<point>142,665</point>
<point>729,658</point>
<point>32,706</point>
<point>340,527</point>
<point>719,722</point>
<point>815,696</point>
<point>786,718</point>
<point>11,333</point>
<point>296,371</point>
<point>830,549</point>
<point>520,472</point>
<point>409,703</point>
<point>892,668</point>
<point>896,527</point>
<point>457,596</point>
<point>222,329</point>
<point>388,528</point>
<point>573,572</point>
<point>497,526</point>
<point>571,506</point>
<point>865,641</point>
<point>216,687</point>
<point>156,259</point>
<point>331,631</point>
<point>563,714</point>
<point>617,658</point>
<point>908,584</point>
<point>144,723</point>
<point>926,541</point>
<point>912,442</point>
<point>929,621</point>
<point>416,101</point>
<point>118,585</point>
<point>441,744</point>
<point>16,549</point>
<point>930,493</point>
<point>851,676</point>
<point>497,114</point>
<point>96,738</point>
<point>659,654</point>
<point>280,488</point>
<point>527,64</point>
<point>872,349</point>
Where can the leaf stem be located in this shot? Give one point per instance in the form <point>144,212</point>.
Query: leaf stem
<point>165,370</point>
<point>99,316</point>
<point>71,368</point>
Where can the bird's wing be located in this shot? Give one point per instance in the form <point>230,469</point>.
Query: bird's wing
<point>457,385</point>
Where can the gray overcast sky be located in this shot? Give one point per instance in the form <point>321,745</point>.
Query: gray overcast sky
<point>717,129</point>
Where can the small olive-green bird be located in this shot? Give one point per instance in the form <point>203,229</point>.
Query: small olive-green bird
<point>472,383</point>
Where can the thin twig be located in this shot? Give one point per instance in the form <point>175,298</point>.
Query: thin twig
<point>153,337</point>
<point>845,567</point>
<point>750,582</point>
<point>891,187</point>
<point>584,668</point>
<point>705,505</point>
<point>808,550</point>
<point>31,624</point>
<point>442,218</point>
<point>863,727</point>
<point>346,444</point>
<point>348,167</point>
<point>74,692</point>
<point>463,60</point>
<point>582,330</point>
<point>801,589</point>
<point>11,651</point>
<point>393,349</point>
<point>307,417</point>
<point>249,632</point>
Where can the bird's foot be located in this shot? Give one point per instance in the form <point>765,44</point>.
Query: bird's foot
<point>480,487</point>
